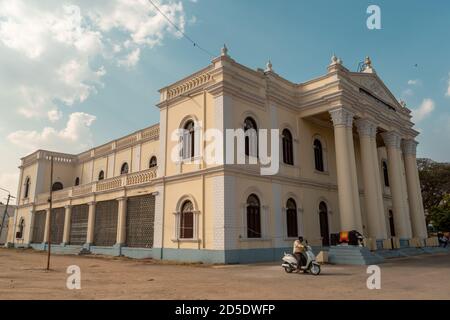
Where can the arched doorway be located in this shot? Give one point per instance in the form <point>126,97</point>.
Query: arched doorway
<point>391,223</point>
<point>253,217</point>
<point>324,228</point>
<point>291,218</point>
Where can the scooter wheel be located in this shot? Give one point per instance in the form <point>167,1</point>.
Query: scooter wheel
<point>288,269</point>
<point>315,269</point>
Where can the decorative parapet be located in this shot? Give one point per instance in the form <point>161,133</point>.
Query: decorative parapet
<point>109,184</point>
<point>82,190</point>
<point>112,184</point>
<point>124,142</point>
<point>47,155</point>
<point>150,133</point>
<point>189,84</point>
<point>30,159</point>
<point>141,177</point>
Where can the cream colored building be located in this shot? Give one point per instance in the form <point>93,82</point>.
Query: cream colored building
<point>347,162</point>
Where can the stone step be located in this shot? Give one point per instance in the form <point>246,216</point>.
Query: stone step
<point>353,255</point>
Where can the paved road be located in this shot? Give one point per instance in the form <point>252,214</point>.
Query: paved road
<point>22,277</point>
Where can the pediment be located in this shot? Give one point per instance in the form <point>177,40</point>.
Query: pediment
<point>373,84</point>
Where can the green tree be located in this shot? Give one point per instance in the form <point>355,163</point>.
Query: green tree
<point>440,214</point>
<point>434,181</point>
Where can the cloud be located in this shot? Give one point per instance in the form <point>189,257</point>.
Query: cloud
<point>407,92</point>
<point>54,115</point>
<point>415,82</point>
<point>53,53</point>
<point>424,110</point>
<point>9,181</point>
<point>74,137</point>
<point>138,18</point>
<point>448,86</point>
<point>131,59</point>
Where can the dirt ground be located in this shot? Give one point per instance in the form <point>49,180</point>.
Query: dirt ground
<point>22,276</point>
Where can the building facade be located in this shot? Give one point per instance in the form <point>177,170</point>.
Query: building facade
<point>347,161</point>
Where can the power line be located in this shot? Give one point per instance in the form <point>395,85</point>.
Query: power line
<point>180,31</point>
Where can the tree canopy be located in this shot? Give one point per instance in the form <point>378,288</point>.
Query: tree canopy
<point>435,185</point>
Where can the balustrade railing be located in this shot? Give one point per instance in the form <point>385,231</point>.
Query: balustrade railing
<point>131,179</point>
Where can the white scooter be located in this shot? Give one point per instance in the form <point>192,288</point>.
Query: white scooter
<point>290,262</point>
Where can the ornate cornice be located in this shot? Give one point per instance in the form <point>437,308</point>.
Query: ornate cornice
<point>342,117</point>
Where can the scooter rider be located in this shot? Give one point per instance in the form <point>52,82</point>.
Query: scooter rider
<point>298,251</point>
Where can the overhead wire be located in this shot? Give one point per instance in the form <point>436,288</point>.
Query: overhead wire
<point>194,43</point>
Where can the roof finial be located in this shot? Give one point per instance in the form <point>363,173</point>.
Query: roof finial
<point>224,51</point>
<point>368,62</point>
<point>268,66</point>
<point>334,59</point>
<point>368,68</point>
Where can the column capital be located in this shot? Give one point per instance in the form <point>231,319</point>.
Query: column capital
<point>342,117</point>
<point>69,206</point>
<point>409,146</point>
<point>121,198</point>
<point>91,203</point>
<point>366,127</point>
<point>392,139</point>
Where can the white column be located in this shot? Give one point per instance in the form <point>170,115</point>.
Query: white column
<point>356,197</point>
<point>379,186</point>
<point>91,223</point>
<point>67,219</point>
<point>31,231</point>
<point>367,131</point>
<point>300,222</point>
<point>416,210</point>
<point>279,217</point>
<point>349,207</point>
<point>121,221</point>
<point>402,223</point>
<point>47,225</point>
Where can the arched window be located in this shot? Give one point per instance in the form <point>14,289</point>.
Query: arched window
<point>101,175</point>
<point>77,181</point>
<point>57,186</point>
<point>291,218</point>
<point>385,173</point>
<point>27,187</point>
<point>187,220</point>
<point>288,148</point>
<point>188,150</point>
<point>318,155</point>
<point>391,223</point>
<point>251,137</point>
<point>124,168</point>
<point>253,217</point>
<point>153,162</point>
<point>324,228</point>
<point>19,233</point>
